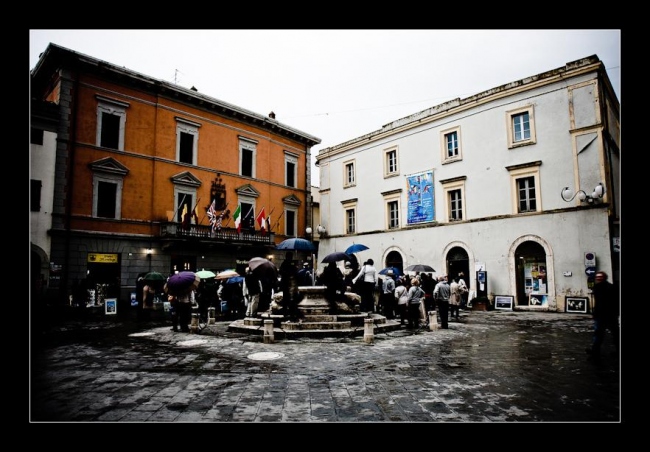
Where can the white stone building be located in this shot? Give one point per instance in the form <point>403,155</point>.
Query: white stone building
<point>478,183</point>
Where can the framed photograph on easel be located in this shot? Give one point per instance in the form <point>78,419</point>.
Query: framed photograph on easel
<point>503,302</point>
<point>576,304</point>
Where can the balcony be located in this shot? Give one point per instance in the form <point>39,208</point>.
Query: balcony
<point>225,235</point>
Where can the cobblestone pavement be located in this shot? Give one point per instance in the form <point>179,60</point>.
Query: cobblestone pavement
<point>489,367</point>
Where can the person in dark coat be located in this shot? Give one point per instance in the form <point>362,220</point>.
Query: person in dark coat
<point>289,287</point>
<point>333,280</point>
<point>605,314</point>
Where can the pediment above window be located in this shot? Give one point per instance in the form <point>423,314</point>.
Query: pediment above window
<point>247,190</point>
<point>186,178</point>
<point>291,200</point>
<point>108,165</point>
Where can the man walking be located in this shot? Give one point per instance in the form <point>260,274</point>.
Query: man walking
<point>441,295</point>
<point>605,314</point>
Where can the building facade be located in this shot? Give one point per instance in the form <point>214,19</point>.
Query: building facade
<point>152,176</point>
<point>516,187</point>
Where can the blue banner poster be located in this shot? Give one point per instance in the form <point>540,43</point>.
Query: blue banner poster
<point>420,208</point>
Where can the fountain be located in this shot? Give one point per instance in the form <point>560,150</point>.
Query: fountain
<point>316,318</point>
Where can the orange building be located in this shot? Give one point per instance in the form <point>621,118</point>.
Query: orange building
<point>135,153</point>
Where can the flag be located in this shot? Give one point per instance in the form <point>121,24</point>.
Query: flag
<point>261,220</point>
<point>218,225</point>
<point>212,215</point>
<point>185,218</point>
<point>268,224</point>
<point>237,217</point>
<point>195,217</point>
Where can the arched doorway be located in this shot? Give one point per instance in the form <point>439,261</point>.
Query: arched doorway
<point>457,263</point>
<point>531,271</point>
<point>394,259</point>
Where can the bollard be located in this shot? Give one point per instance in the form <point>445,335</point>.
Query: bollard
<point>433,321</point>
<point>194,325</point>
<point>212,316</point>
<point>368,331</point>
<point>268,332</point>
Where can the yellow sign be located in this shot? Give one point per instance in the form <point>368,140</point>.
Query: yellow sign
<point>99,258</point>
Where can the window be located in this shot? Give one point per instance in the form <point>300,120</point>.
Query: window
<point>350,221</point>
<point>108,178</point>
<point>391,167</point>
<point>247,152</point>
<point>525,187</point>
<point>392,206</point>
<point>291,169</point>
<point>393,214</point>
<point>35,195</point>
<point>36,136</point>
<point>247,216</point>
<point>187,137</point>
<point>290,225</point>
<point>349,176</point>
<point>454,192</point>
<point>111,121</point>
<point>107,196</point>
<point>521,127</point>
<point>450,145</point>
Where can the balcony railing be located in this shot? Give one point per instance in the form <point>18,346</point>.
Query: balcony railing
<point>176,231</point>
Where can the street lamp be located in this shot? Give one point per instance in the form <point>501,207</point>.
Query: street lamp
<point>568,195</point>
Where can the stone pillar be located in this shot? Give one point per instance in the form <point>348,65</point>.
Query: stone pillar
<point>212,316</point>
<point>268,332</point>
<point>368,331</point>
<point>433,321</point>
<point>194,324</point>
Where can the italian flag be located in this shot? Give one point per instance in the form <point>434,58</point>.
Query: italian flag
<point>237,217</point>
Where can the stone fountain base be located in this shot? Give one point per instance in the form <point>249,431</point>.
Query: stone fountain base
<point>317,321</point>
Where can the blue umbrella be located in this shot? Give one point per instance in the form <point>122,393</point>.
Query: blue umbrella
<point>296,244</point>
<point>396,271</point>
<point>235,280</point>
<point>355,248</point>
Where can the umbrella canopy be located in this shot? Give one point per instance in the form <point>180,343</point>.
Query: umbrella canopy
<point>355,248</point>
<point>335,257</point>
<point>227,274</point>
<point>182,283</point>
<point>296,244</point>
<point>395,270</point>
<point>235,280</point>
<point>205,274</point>
<point>419,268</point>
<point>154,276</point>
<point>263,268</point>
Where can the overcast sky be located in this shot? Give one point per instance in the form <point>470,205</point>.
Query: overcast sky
<point>337,85</point>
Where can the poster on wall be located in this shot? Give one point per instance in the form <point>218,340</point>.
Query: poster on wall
<point>420,207</point>
<point>110,305</point>
<point>538,299</point>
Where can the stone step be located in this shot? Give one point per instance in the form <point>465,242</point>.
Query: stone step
<point>316,325</point>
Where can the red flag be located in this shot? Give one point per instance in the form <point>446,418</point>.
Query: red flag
<point>195,217</point>
<point>261,220</point>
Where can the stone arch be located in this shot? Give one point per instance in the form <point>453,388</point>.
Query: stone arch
<point>550,268</point>
<point>470,258</point>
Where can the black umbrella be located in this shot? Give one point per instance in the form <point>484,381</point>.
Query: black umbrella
<point>419,268</point>
<point>263,268</point>
<point>335,257</point>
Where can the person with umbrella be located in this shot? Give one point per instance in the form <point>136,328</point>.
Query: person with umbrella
<point>332,279</point>
<point>181,287</point>
<point>289,287</point>
<point>252,288</point>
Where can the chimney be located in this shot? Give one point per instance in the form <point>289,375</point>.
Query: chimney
<point>272,115</point>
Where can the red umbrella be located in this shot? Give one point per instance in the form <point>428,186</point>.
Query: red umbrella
<point>182,283</point>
